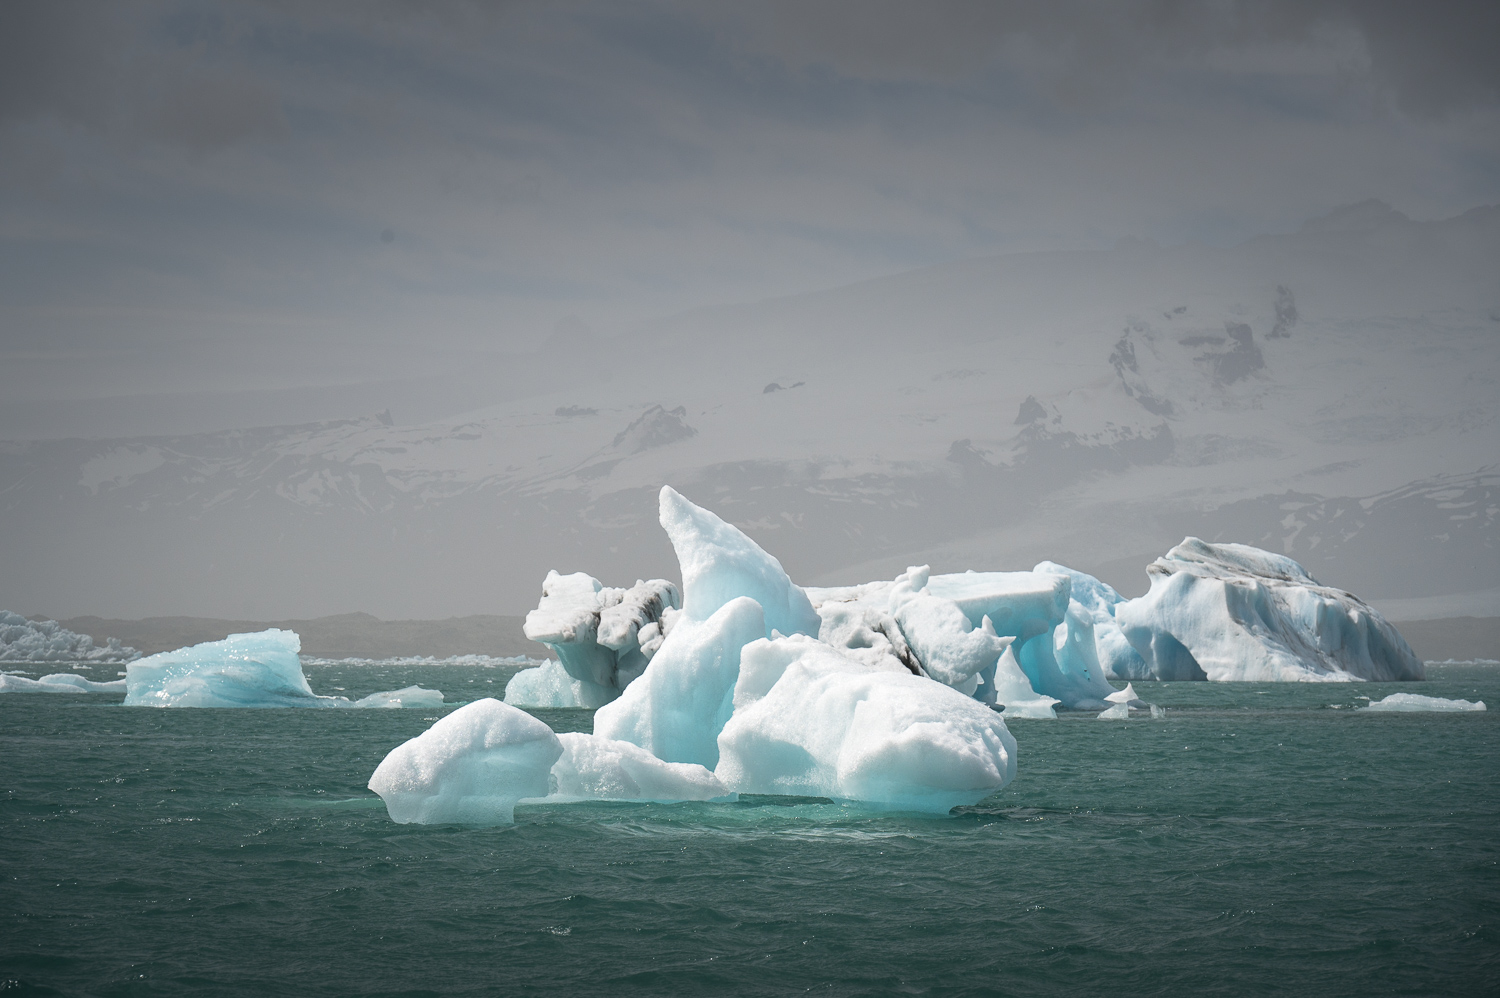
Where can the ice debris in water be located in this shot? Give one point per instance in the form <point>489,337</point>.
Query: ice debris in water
<point>66,682</point>
<point>1231,612</point>
<point>23,640</point>
<point>1418,702</point>
<point>259,669</point>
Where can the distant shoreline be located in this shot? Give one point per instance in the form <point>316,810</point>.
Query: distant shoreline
<point>359,635</point>
<point>345,635</point>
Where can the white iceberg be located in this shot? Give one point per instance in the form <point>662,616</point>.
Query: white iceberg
<point>596,768</point>
<point>602,636</point>
<point>1231,612</point>
<point>1417,702</point>
<point>23,640</point>
<point>1116,656</point>
<point>259,669</point>
<point>410,698</point>
<point>471,767</point>
<point>66,682</point>
<point>811,721</point>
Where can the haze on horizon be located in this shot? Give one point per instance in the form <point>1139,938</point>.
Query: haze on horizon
<point>255,214</point>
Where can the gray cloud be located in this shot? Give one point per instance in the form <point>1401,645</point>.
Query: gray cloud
<point>194,195</point>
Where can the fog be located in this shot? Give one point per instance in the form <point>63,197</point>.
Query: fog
<point>444,232</point>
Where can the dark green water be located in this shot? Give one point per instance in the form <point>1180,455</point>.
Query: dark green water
<point>1254,841</point>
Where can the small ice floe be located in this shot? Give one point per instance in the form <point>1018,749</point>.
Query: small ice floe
<point>1418,702</point>
<point>65,682</point>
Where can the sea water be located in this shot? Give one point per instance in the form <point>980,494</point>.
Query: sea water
<point>1257,839</point>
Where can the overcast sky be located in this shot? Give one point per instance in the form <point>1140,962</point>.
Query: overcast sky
<point>239,195</point>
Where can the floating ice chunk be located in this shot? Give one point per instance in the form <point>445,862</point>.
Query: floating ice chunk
<point>1418,702</point>
<point>596,631</point>
<point>1117,712</point>
<point>831,726</point>
<point>244,670</point>
<point>1231,612</point>
<point>549,685</point>
<point>596,768</point>
<point>411,697</point>
<point>66,682</point>
<point>719,563</point>
<point>1118,659</point>
<point>950,647</point>
<point>23,640</point>
<point>260,669</point>
<point>469,768</point>
<point>678,706</point>
<point>1125,696</point>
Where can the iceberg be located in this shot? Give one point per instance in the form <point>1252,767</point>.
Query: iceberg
<point>471,767</point>
<point>1231,612</point>
<point>1116,656</point>
<point>682,701</point>
<point>259,669</point>
<point>66,682</point>
<point>811,721</point>
<point>410,697</point>
<point>596,768</point>
<point>603,637</point>
<point>1417,702</point>
<point>23,640</point>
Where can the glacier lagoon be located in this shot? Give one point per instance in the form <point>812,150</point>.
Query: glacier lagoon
<point>1257,838</point>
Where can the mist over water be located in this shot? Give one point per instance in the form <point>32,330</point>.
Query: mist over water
<point>1258,838</point>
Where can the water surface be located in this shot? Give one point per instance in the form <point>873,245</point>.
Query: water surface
<point>1258,839</point>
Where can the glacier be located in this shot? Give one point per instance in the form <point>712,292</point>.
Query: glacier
<point>259,669</point>
<point>24,640</point>
<point>1231,612</point>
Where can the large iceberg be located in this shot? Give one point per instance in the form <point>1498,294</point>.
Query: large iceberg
<point>1231,612</point>
<point>259,669</point>
<point>23,640</point>
<point>811,721</point>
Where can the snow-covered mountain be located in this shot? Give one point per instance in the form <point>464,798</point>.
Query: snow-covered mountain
<point>1331,393</point>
